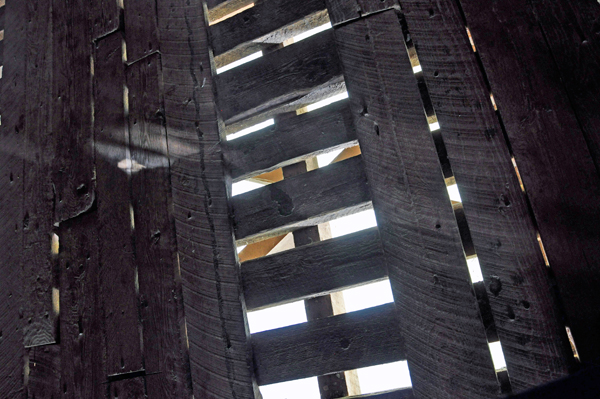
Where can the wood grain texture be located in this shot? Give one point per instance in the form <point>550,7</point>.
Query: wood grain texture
<point>12,108</point>
<point>352,340</point>
<point>313,270</point>
<point>141,29</point>
<point>82,330</point>
<point>104,17</point>
<point>301,200</point>
<point>72,169</point>
<point>38,198</point>
<point>405,393</point>
<point>265,17</point>
<point>291,140</point>
<point>446,345</point>
<point>533,339</point>
<point>219,353</point>
<point>43,378</point>
<point>572,32</point>
<point>161,309</point>
<point>341,11</point>
<point>117,257</point>
<point>276,78</point>
<point>133,388</point>
<point>551,152</point>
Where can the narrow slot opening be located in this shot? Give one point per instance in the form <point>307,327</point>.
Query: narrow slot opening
<point>239,62</point>
<point>384,377</point>
<point>514,162</point>
<point>541,244</point>
<point>471,39</point>
<point>497,356</point>
<point>322,103</point>
<point>276,317</point>
<point>307,34</point>
<point>572,342</point>
<point>54,244</point>
<point>251,129</point>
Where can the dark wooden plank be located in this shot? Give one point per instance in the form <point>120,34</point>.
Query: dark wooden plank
<point>534,340</point>
<point>82,329</point>
<point>403,393</point>
<point>572,34</point>
<point>141,29</point>
<point>313,270</point>
<point>73,166</point>
<point>291,140</point>
<point>117,259</point>
<point>302,200</point>
<point>38,199</point>
<point>446,344</point>
<point>43,372</point>
<point>219,352</point>
<point>584,384</point>
<point>551,152</point>
<point>276,78</point>
<point>12,109</point>
<point>105,17</point>
<point>132,388</point>
<point>161,308</point>
<point>337,343</point>
<point>341,11</point>
<point>265,17</point>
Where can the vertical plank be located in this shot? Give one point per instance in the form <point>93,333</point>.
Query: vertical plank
<point>551,152</point>
<point>128,389</point>
<point>117,259</point>
<point>533,338</point>
<point>43,375</point>
<point>573,35</point>
<point>12,109</point>
<point>141,30</point>
<point>446,344</point>
<point>73,166</point>
<point>160,296</point>
<point>38,204</point>
<point>105,17</point>
<point>82,339</point>
<point>221,362</point>
<point>341,11</point>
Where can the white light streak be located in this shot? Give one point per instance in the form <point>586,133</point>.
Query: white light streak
<point>239,62</point>
<point>250,129</point>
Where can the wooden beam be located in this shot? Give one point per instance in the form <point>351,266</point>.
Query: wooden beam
<point>341,11</point>
<point>501,230</point>
<point>291,140</point>
<point>215,322</point>
<point>261,19</point>
<point>154,237</point>
<point>332,344</point>
<point>304,200</point>
<point>276,78</point>
<point>313,270</point>
<point>402,393</point>
<point>259,249</point>
<point>446,345</point>
<point>12,104</point>
<point>550,148</point>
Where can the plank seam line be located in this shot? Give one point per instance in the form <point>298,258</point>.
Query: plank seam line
<point>349,21</point>
<point>143,58</point>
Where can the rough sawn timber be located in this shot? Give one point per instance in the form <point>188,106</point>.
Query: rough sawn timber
<point>219,353</point>
<point>550,148</point>
<point>446,345</point>
<point>534,340</point>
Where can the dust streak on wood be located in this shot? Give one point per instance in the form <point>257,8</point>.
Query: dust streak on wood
<point>220,356</point>
<point>344,342</point>
<point>446,345</point>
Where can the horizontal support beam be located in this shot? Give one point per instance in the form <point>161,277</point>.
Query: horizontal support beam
<point>315,269</point>
<point>333,344</point>
<point>402,393</point>
<point>291,140</point>
<point>260,20</point>
<point>304,200</point>
<point>277,78</point>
